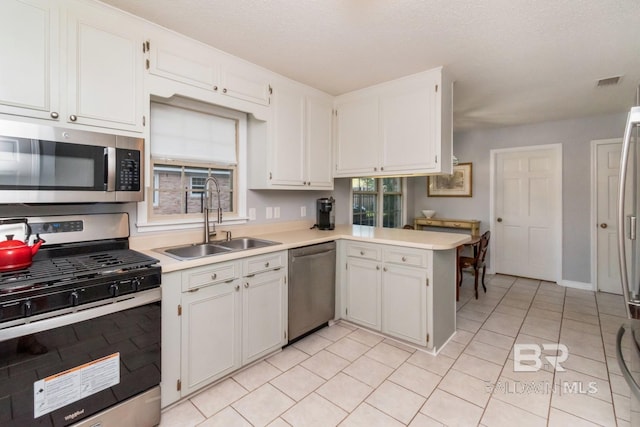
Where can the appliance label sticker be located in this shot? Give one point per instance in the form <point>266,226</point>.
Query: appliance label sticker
<point>74,384</point>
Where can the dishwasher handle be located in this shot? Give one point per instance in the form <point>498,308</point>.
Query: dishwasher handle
<point>315,255</point>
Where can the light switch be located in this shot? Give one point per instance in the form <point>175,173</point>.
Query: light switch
<point>276,212</point>
<point>269,212</point>
<point>303,211</point>
<point>252,214</point>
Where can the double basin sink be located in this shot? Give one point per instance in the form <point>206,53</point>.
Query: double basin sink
<point>200,250</point>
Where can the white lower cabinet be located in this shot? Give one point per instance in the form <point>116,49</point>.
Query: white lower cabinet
<point>225,316</point>
<point>363,292</point>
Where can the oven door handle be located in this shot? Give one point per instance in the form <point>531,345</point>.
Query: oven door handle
<point>77,314</point>
<point>633,385</point>
<point>110,168</point>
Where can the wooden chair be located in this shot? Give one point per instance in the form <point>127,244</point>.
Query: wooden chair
<point>408,227</point>
<point>476,262</point>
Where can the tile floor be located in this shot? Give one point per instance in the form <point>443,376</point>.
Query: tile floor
<point>346,376</point>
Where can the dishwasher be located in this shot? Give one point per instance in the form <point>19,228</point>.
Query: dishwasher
<point>312,288</point>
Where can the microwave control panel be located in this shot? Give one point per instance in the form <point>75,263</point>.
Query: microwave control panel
<point>128,170</point>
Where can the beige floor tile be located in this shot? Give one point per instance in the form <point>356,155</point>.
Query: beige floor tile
<point>495,339</point>
<point>421,420</point>
<point>325,364</point>
<point>388,354</point>
<point>367,416</point>
<point>184,414</point>
<point>218,397</point>
<point>619,385</point>
<point>258,374</point>
<point>584,327</point>
<point>365,337</point>
<point>479,368</point>
<point>511,311</point>
<point>468,325</point>
<point>314,411</point>
<point>345,391</point>
<point>547,329</point>
<point>584,406</point>
<point>585,365</point>
<point>369,371</point>
<point>263,405</point>
<point>228,417</point>
<point>334,332</point>
<point>558,418</point>
<point>613,366</point>
<point>462,337</point>
<point>503,324</point>
<point>439,364</point>
<point>297,382</point>
<point>577,381</point>
<point>396,401</point>
<point>451,410</point>
<point>312,344</point>
<point>348,349</point>
<point>469,313</point>
<point>466,387</point>
<point>287,358</point>
<point>529,395</point>
<point>542,313</point>
<point>400,345</point>
<point>499,413</point>
<point>452,349</point>
<point>487,352</point>
<point>590,318</point>
<point>415,379</point>
<point>279,422</point>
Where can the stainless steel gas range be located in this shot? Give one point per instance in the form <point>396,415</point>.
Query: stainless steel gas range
<point>80,328</point>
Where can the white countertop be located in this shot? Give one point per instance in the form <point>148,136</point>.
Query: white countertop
<point>304,236</point>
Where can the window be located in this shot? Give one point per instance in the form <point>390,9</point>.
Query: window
<point>189,142</point>
<point>378,201</point>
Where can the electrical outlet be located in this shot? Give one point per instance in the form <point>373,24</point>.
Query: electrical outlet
<point>303,211</point>
<point>269,212</point>
<point>252,214</point>
<point>276,212</point>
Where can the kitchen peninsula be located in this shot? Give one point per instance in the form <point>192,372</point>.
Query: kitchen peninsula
<point>400,283</point>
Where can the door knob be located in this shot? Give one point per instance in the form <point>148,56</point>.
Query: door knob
<point>603,225</point>
<point>499,219</point>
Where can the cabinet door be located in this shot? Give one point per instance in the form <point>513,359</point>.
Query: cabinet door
<point>29,51</point>
<point>210,334</point>
<point>363,292</point>
<point>409,128</point>
<point>404,308</point>
<point>105,63</point>
<point>245,81</point>
<point>358,137</point>
<point>264,313</point>
<point>287,137</point>
<point>319,148</point>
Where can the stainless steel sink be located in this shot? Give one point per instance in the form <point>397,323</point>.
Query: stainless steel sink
<point>201,250</point>
<point>242,243</point>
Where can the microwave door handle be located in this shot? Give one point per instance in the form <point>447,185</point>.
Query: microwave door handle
<point>632,121</point>
<point>110,168</point>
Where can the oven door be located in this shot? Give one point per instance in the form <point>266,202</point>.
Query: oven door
<point>90,365</point>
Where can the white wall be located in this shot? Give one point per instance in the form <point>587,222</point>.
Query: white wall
<point>575,136</point>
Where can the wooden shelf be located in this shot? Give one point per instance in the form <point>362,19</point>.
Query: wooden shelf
<point>465,224</point>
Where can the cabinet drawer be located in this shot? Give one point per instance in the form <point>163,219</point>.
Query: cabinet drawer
<point>454,224</point>
<point>363,251</point>
<point>405,256</point>
<point>209,275</point>
<point>262,263</point>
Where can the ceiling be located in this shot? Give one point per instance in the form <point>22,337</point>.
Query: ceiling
<point>513,61</point>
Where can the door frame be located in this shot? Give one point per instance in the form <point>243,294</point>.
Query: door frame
<point>594,207</point>
<point>557,149</point>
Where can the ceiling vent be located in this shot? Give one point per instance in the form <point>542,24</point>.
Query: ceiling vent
<point>610,81</point>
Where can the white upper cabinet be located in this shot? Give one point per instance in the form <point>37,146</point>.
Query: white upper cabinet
<point>104,68</point>
<point>398,127</point>
<point>29,66</point>
<point>297,150</point>
<point>245,81</point>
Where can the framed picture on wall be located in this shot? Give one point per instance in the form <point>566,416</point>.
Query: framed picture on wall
<point>458,184</point>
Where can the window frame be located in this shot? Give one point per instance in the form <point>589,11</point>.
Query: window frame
<point>379,193</point>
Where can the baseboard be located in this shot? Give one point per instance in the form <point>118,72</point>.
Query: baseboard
<point>577,285</point>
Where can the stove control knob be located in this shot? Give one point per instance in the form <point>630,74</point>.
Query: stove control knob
<point>27,308</point>
<point>74,298</point>
<point>114,290</point>
<point>135,284</point>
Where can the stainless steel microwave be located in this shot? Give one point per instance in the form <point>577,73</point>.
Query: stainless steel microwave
<point>46,164</point>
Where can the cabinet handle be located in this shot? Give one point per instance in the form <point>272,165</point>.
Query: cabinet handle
<point>194,290</point>
<point>381,168</point>
<point>499,219</point>
<point>246,285</point>
<point>214,276</point>
<point>54,115</point>
<point>237,288</point>
<point>377,267</point>
<point>73,117</point>
<point>224,90</point>
<point>456,224</point>
<point>304,182</point>
<point>384,269</point>
<point>375,169</point>
<point>229,281</point>
<point>361,252</point>
<point>404,258</point>
<point>266,264</point>
<point>309,183</point>
<point>215,88</point>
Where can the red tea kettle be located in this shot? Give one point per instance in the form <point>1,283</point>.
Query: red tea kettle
<point>14,254</point>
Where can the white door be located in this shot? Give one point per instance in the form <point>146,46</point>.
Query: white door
<point>527,217</point>
<point>607,273</point>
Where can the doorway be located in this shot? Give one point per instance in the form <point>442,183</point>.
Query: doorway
<point>605,170</point>
<point>526,211</point>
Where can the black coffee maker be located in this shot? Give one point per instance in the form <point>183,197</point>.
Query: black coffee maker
<point>325,215</point>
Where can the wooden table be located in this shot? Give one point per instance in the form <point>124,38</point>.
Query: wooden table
<point>469,224</point>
